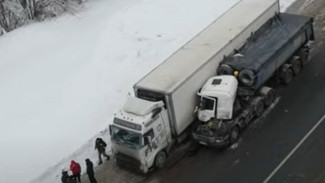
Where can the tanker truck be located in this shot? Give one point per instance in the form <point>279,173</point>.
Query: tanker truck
<point>154,120</point>
<point>239,93</point>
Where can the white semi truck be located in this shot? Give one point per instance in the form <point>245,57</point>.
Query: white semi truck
<point>149,124</point>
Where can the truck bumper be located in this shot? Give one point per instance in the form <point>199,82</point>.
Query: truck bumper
<point>211,141</point>
<point>130,163</point>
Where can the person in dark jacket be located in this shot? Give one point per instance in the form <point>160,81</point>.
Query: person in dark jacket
<point>64,177</point>
<point>100,146</point>
<point>72,179</point>
<point>90,171</point>
<point>76,170</point>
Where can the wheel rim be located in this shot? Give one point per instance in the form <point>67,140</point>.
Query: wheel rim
<point>305,57</point>
<point>161,159</point>
<point>296,66</point>
<point>270,97</point>
<point>259,109</point>
<point>288,76</point>
<point>234,135</point>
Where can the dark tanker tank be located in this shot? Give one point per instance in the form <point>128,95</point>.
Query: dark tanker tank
<point>268,49</point>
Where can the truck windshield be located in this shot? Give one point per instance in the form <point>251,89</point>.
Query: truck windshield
<point>126,137</point>
<point>206,104</point>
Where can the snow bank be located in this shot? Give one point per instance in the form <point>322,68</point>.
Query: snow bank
<point>61,80</point>
<point>284,4</point>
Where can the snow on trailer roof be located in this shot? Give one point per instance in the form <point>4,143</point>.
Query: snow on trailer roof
<point>169,75</point>
<point>140,107</point>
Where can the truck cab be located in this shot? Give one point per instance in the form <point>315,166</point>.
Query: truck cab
<point>140,134</point>
<point>217,97</point>
<point>215,111</point>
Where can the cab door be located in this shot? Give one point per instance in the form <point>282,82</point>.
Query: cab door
<point>160,131</point>
<point>149,150</point>
<point>207,109</point>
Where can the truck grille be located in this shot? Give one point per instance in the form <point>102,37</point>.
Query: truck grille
<point>128,162</point>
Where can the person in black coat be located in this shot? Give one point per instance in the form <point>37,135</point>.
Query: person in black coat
<point>100,145</point>
<point>64,177</point>
<point>90,171</point>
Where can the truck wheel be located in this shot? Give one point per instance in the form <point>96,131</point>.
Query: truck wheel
<point>225,69</point>
<point>246,77</point>
<point>233,135</point>
<point>258,106</point>
<point>269,97</point>
<point>304,56</point>
<point>286,74</point>
<point>296,65</point>
<point>160,159</point>
<point>268,94</point>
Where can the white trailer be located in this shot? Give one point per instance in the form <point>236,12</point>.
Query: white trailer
<point>143,132</point>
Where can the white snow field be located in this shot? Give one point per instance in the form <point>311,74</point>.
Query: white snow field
<point>62,80</point>
<point>284,4</point>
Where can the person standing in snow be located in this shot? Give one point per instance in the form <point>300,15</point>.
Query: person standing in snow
<point>90,171</point>
<point>71,179</point>
<point>76,170</point>
<point>64,177</point>
<point>100,146</point>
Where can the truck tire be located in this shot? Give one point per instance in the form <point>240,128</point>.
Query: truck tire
<point>286,74</point>
<point>295,65</point>
<point>160,159</point>
<point>225,69</point>
<point>304,54</point>
<point>268,95</point>
<point>247,77</point>
<point>233,135</point>
<point>258,106</point>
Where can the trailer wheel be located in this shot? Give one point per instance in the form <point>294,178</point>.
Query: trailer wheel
<point>233,135</point>
<point>304,54</point>
<point>269,97</point>
<point>286,74</point>
<point>268,94</point>
<point>258,106</point>
<point>225,69</point>
<point>160,159</point>
<point>247,77</point>
<point>296,65</point>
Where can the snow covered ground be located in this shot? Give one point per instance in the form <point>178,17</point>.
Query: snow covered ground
<point>284,4</point>
<point>61,80</point>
